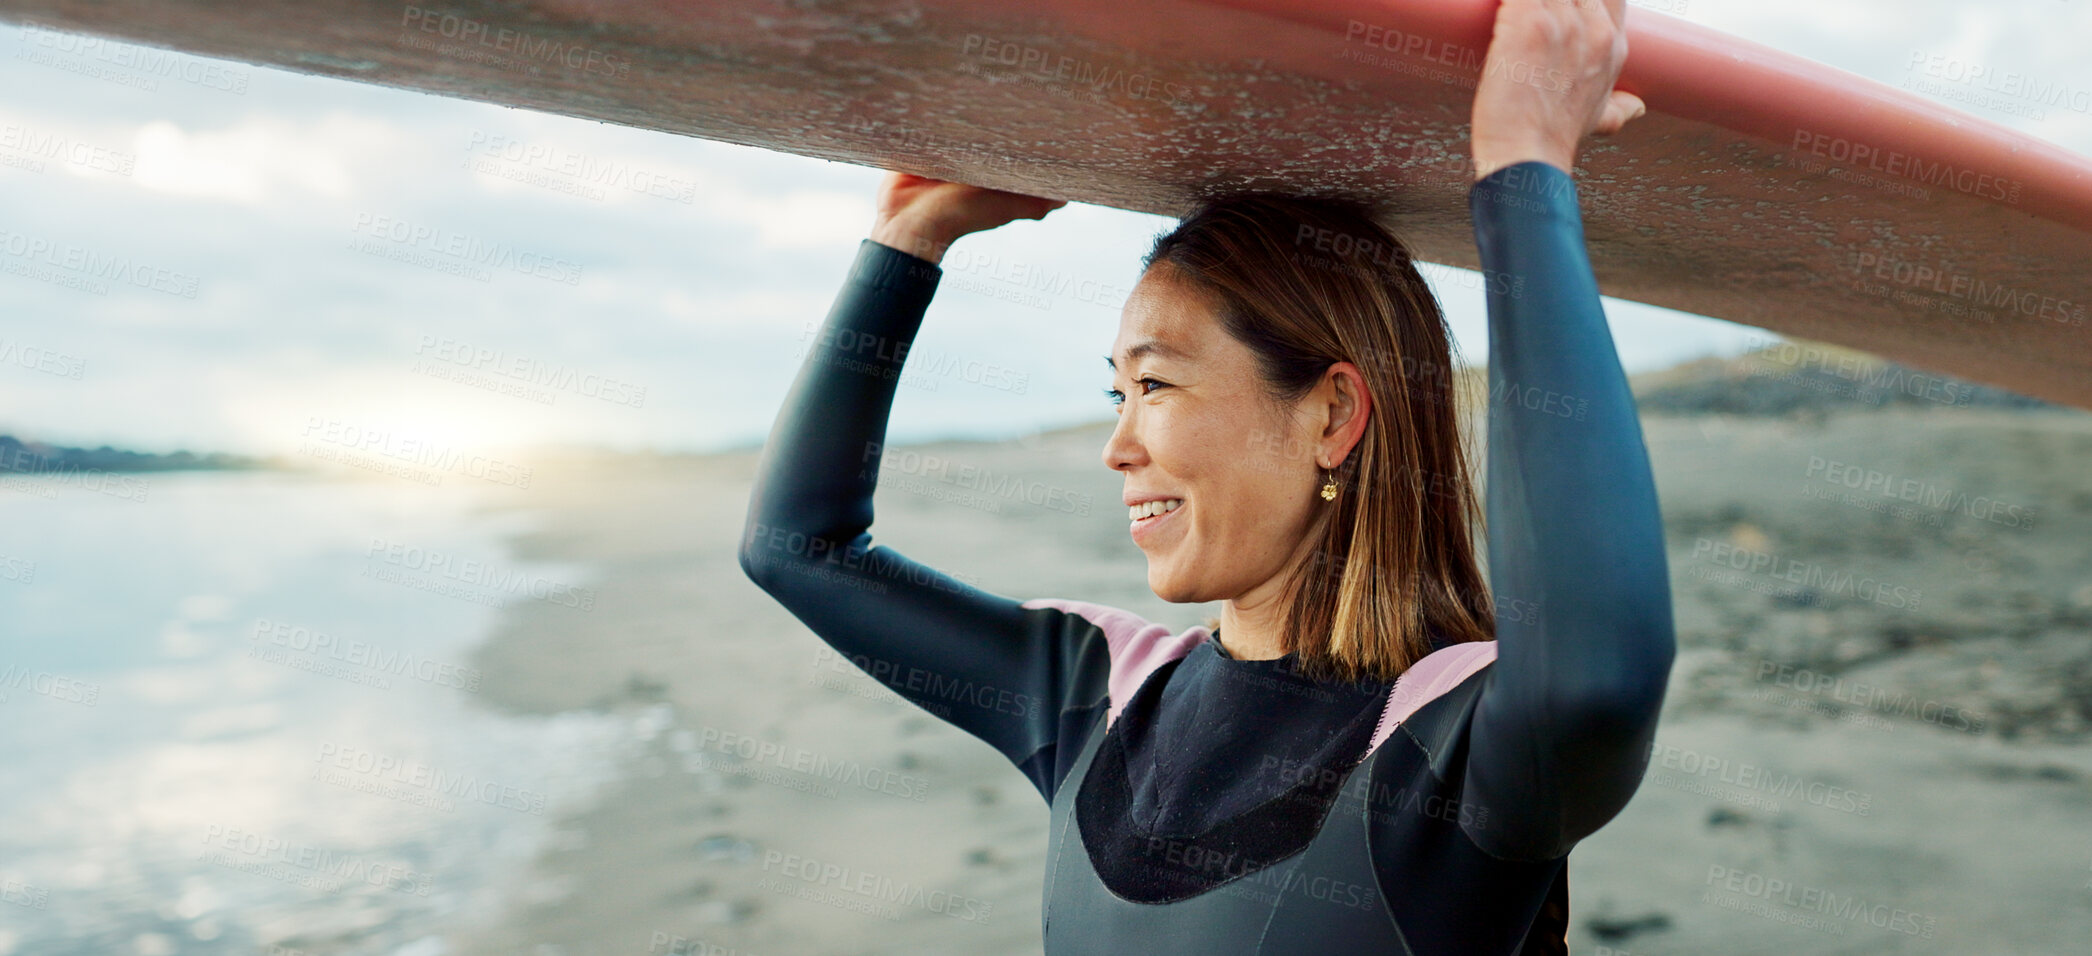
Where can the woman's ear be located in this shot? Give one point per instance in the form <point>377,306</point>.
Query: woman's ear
<point>1347,407</point>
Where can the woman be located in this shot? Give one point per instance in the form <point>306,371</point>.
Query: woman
<point>1379,756</point>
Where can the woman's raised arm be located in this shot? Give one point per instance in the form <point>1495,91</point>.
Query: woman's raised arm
<point>1005,672</point>
<point>1561,734</point>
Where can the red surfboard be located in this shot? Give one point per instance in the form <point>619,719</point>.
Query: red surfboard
<point>1762,188</point>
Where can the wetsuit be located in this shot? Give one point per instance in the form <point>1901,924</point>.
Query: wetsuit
<point>1202,804</point>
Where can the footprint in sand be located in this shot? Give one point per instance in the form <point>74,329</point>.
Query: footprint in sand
<point>721,846</point>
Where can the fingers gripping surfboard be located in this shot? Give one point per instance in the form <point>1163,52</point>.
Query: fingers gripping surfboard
<point>1761,188</point>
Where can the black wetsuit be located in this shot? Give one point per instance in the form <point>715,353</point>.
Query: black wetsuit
<point>1228,810</point>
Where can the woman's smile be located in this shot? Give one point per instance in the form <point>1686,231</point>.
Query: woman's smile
<point>1144,529</point>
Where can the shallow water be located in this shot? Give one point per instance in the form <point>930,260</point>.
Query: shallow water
<point>237,714</point>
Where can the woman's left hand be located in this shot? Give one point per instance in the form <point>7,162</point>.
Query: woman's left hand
<point>1547,82</point>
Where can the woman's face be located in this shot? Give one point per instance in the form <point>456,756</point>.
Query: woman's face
<point>1194,425</point>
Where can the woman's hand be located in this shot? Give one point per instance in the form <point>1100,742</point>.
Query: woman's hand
<point>1547,82</point>
<point>923,216</point>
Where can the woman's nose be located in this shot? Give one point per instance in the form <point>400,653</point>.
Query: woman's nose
<point>1122,450</point>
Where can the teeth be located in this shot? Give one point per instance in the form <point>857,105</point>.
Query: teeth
<point>1140,511</point>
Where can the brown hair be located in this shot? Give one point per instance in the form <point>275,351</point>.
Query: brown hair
<point>1306,283</point>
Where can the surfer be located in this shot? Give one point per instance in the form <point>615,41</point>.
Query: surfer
<point>1374,749</point>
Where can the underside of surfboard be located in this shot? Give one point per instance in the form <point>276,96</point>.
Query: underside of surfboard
<point>1762,188</point>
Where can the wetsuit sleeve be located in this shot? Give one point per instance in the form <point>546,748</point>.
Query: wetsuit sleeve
<point>1561,733</point>
<point>1012,674</point>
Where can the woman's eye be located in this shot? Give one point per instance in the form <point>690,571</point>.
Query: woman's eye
<point>1117,396</point>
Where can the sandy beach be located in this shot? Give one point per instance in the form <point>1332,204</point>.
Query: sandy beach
<point>1875,740</point>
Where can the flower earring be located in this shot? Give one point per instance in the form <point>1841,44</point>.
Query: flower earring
<point>1329,487</point>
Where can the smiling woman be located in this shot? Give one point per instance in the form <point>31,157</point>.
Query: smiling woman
<point>1374,762</point>
<point>1262,333</point>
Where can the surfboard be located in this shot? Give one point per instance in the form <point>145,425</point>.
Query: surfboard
<point>1761,188</point>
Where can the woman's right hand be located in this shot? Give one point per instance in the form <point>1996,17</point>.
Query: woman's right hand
<point>923,216</point>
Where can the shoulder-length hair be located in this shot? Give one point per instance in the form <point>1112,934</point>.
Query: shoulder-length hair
<point>1306,283</point>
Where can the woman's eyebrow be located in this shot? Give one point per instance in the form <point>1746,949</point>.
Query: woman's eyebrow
<point>1145,348</point>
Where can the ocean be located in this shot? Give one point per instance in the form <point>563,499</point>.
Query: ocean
<point>238,714</point>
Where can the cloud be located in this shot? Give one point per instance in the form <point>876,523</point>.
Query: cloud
<point>261,160</point>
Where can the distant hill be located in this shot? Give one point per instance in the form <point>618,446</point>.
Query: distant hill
<point>1810,378</point>
<point>1795,377</point>
<point>22,457</point>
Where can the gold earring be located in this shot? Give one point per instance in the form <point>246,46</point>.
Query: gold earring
<point>1329,487</point>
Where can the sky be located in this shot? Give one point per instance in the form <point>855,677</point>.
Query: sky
<point>268,306</point>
